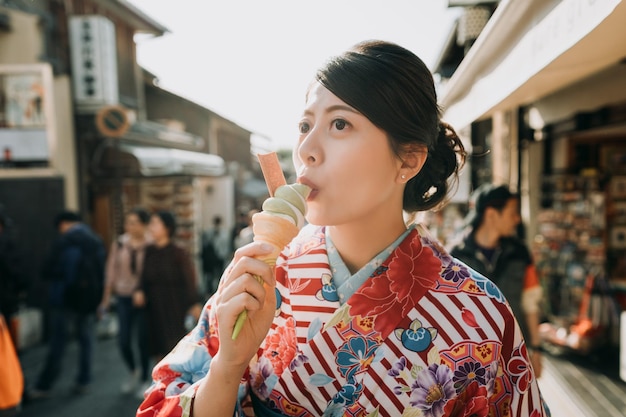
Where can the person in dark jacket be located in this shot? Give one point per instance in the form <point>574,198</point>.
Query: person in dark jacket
<point>492,248</point>
<point>13,277</point>
<point>77,251</point>
<point>13,287</point>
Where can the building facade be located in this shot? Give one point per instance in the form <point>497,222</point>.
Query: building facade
<point>84,127</point>
<point>540,98</point>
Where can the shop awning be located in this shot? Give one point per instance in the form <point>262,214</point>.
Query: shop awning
<point>254,188</point>
<point>530,49</point>
<point>146,161</point>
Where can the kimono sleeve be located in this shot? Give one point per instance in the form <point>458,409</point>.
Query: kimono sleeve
<point>518,375</point>
<point>176,378</point>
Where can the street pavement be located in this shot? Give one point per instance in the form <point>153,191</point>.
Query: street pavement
<point>585,386</point>
<point>103,398</point>
<point>572,386</point>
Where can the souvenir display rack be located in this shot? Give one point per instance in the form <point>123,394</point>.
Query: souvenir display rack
<point>570,252</point>
<point>616,236</point>
<point>571,239</point>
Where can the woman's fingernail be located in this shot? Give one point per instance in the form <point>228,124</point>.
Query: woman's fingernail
<point>266,247</point>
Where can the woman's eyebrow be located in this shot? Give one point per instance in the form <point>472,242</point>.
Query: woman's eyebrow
<point>336,107</point>
<point>341,107</point>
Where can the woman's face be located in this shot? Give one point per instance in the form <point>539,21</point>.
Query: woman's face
<point>133,226</point>
<point>158,229</point>
<point>347,161</point>
<point>508,218</point>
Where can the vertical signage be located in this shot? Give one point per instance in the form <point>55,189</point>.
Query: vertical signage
<point>94,62</point>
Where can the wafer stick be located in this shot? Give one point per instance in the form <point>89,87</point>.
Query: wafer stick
<point>281,218</point>
<point>272,171</point>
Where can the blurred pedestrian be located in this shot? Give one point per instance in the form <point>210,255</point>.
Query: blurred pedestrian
<point>123,269</point>
<point>242,221</point>
<point>246,235</point>
<point>216,249</point>
<point>13,278</point>
<point>13,287</point>
<point>491,247</point>
<point>75,273</point>
<point>167,287</point>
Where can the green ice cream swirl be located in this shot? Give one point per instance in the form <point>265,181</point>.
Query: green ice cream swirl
<point>289,202</point>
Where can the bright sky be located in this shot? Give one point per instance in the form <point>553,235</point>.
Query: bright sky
<point>250,61</point>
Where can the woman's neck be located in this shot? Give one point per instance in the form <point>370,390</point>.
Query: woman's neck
<point>359,243</point>
<point>162,242</point>
<point>137,240</point>
<point>486,237</point>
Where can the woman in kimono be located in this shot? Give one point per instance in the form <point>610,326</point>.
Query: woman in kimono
<point>363,314</point>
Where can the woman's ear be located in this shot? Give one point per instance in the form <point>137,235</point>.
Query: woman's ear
<point>490,214</point>
<point>413,159</point>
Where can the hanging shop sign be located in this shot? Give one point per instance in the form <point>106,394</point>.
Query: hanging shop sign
<point>113,121</point>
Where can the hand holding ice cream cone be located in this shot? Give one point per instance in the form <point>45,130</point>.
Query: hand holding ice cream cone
<point>279,222</point>
<point>282,216</point>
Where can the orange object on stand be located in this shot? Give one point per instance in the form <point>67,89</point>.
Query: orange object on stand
<point>11,376</point>
<point>590,330</point>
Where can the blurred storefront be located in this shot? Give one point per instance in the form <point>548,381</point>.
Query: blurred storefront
<point>89,68</point>
<point>540,95</point>
<point>84,127</point>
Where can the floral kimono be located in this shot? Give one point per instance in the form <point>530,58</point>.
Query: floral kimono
<point>420,334</point>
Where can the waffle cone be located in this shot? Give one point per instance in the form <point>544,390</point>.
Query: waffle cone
<point>274,230</point>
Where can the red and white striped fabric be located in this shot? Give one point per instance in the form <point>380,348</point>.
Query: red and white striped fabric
<point>423,336</point>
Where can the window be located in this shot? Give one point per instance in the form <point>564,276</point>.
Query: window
<point>23,124</point>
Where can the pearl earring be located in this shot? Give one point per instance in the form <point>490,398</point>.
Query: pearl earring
<point>403,177</point>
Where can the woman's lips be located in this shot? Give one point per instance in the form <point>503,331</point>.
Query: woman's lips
<point>311,185</point>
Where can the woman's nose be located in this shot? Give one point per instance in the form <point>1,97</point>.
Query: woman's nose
<point>309,151</point>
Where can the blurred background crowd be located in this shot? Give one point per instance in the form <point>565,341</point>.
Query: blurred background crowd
<point>90,137</point>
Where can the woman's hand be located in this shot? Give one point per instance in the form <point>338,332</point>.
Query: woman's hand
<point>536,361</point>
<point>241,291</point>
<point>139,299</point>
<point>105,303</point>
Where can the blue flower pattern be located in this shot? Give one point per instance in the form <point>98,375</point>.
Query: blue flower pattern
<point>487,286</point>
<point>416,338</point>
<point>355,356</point>
<point>328,291</point>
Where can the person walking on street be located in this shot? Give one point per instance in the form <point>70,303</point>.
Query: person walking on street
<point>362,314</point>
<point>216,247</point>
<point>13,287</point>
<point>243,220</point>
<point>491,247</point>
<point>123,269</point>
<point>75,272</point>
<point>167,288</point>
<point>246,235</point>
<point>13,277</point>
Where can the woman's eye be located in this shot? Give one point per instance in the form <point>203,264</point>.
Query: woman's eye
<point>303,127</point>
<point>340,124</point>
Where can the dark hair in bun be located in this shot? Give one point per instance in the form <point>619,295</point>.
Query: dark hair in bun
<point>395,90</point>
